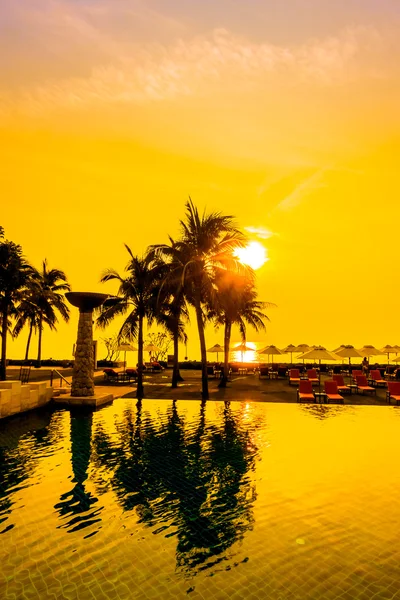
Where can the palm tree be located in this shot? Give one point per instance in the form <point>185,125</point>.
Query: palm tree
<point>15,274</point>
<point>47,296</point>
<point>136,296</point>
<point>237,305</point>
<point>206,246</point>
<point>27,313</point>
<point>172,310</point>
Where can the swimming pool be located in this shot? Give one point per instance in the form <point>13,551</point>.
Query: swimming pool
<point>161,500</point>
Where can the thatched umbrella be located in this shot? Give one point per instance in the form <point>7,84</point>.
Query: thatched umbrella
<point>270,351</point>
<point>388,349</point>
<point>291,348</point>
<point>217,348</point>
<point>348,352</point>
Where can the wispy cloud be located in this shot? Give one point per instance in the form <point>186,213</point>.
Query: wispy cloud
<point>260,232</point>
<point>126,72</point>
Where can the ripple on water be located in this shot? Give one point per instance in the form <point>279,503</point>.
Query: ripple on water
<point>155,499</point>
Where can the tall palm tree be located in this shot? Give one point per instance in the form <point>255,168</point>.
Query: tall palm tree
<point>206,246</point>
<point>15,274</point>
<point>172,309</point>
<point>47,295</point>
<point>136,296</point>
<point>237,305</point>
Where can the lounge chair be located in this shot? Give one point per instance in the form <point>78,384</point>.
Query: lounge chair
<point>332,393</point>
<point>110,374</point>
<point>294,376</point>
<point>282,372</point>
<point>362,385</point>
<point>131,374</point>
<point>393,391</point>
<point>355,374</point>
<point>342,388</point>
<point>376,378</point>
<point>263,372</point>
<point>312,376</point>
<point>305,391</point>
<point>157,367</point>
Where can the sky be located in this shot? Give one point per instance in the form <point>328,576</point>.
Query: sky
<point>284,115</point>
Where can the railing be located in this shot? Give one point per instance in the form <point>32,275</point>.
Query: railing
<point>62,378</point>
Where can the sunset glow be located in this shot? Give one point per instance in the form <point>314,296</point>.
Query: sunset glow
<point>284,115</point>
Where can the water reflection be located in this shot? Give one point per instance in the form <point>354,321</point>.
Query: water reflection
<point>183,478</point>
<point>325,411</point>
<point>75,506</point>
<point>23,441</point>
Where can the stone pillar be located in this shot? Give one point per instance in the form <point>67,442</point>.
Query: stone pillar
<point>82,375</point>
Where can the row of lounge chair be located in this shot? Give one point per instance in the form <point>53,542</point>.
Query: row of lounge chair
<point>335,388</point>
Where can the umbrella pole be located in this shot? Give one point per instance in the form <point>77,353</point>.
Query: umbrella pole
<point>125,361</point>
<point>319,379</point>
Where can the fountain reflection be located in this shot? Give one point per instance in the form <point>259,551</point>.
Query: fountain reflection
<point>75,506</point>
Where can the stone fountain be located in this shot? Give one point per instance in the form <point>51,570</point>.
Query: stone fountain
<point>82,389</point>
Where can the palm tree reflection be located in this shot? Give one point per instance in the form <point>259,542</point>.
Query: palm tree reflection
<point>186,479</point>
<point>23,441</point>
<point>78,503</point>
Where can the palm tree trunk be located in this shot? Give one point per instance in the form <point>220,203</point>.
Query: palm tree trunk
<point>227,341</point>
<point>4,323</point>
<point>140,390</point>
<point>203,351</point>
<point>39,355</point>
<point>28,343</point>
<point>175,371</point>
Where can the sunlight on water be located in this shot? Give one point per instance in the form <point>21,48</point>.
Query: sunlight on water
<point>160,500</point>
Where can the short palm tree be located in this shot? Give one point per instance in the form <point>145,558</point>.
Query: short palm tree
<point>136,296</point>
<point>206,246</point>
<point>15,274</point>
<point>46,293</point>
<point>237,304</point>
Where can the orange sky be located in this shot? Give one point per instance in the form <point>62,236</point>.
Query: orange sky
<point>111,114</point>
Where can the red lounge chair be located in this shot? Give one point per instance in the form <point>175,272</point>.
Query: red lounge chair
<point>305,391</point>
<point>342,388</point>
<point>331,391</point>
<point>312,376</point>
<point>294,376</point>
<point>393,391</point>
<point>376,378</point>
<point>362,385</point>
<point>355,373</point>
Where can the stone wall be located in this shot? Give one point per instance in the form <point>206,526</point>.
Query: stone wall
<point>16,398</point>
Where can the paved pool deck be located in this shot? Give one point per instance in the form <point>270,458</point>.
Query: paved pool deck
<point>240,388</point>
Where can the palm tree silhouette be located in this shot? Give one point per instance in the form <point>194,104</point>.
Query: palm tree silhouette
<point>46,295</point>
<point>15,275</point>
<point>236,304</point>
<point>137,295</point>
<point>206,246</point>
<point>172,310</point>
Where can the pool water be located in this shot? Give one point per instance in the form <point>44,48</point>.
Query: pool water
<point>160,500</point>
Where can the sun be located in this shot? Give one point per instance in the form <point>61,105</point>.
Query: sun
<point>254,255</point>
